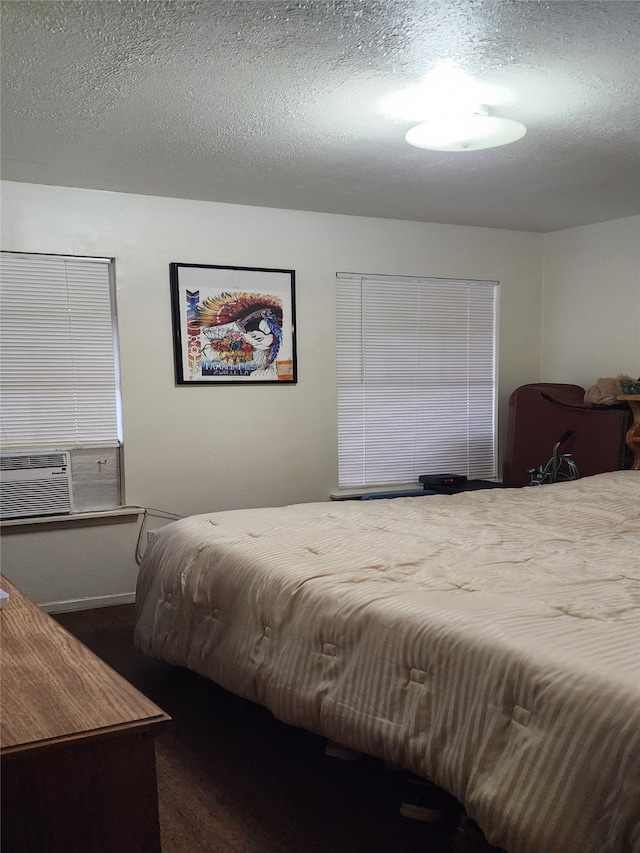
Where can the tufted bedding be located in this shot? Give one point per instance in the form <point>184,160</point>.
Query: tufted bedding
<point>489,641</point>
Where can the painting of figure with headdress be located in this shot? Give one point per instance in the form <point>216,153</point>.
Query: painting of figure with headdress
<point>243,333</point>
<point>226,334</point>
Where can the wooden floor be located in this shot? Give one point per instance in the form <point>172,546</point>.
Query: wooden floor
<point>232,779</point>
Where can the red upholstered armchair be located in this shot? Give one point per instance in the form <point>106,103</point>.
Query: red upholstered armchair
<point>540,413</point>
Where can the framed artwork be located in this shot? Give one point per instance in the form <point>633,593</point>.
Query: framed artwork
<point>233,324</point>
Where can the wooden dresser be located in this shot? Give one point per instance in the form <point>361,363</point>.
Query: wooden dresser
<point>76,744</point>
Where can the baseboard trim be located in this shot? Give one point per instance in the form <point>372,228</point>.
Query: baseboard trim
<point>88,603</point>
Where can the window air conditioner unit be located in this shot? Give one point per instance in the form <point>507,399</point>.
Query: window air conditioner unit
<point>35,483</point>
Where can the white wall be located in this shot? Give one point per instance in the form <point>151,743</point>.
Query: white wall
<point>55,563</point>
<point>591,303</point>
<point>196,449</point>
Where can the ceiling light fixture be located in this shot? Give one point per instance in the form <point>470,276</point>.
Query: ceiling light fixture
<point>470,131</point>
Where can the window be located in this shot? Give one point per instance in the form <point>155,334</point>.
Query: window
<point>416,363</point>
<point>59,371</point>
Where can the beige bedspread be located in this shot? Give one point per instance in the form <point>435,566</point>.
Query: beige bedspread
<point>489,641</point>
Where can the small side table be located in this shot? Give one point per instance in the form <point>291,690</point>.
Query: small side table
<point>633,433</point>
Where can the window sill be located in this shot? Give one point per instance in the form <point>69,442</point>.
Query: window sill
<point>357,493</point>
<point>73,519</point>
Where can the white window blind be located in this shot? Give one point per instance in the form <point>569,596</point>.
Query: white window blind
<point>416,370</point>
<point>58,373</point>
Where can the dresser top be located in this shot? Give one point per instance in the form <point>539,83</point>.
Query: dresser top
<point>54,689</point>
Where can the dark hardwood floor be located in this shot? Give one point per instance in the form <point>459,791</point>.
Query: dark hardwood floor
<point>233,779</point>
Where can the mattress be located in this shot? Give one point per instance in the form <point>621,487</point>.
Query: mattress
<point>489,641</point>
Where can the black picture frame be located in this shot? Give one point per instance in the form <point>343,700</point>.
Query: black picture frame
<point>233,325</point>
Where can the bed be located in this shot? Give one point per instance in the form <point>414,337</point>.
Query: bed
<point>488,641</point>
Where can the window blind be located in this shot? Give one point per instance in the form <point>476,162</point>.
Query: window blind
<point>58,373</point>
<point>416,373</point>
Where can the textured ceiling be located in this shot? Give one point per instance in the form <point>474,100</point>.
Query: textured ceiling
<point>277,104</point>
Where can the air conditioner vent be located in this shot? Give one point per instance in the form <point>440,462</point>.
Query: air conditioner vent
<point>33,484</point>
<point>19,461</point>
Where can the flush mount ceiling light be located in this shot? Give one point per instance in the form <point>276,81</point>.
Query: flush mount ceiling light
<point>470,131</point>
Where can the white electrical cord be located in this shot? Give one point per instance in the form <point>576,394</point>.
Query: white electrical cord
<point>159,513</point>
